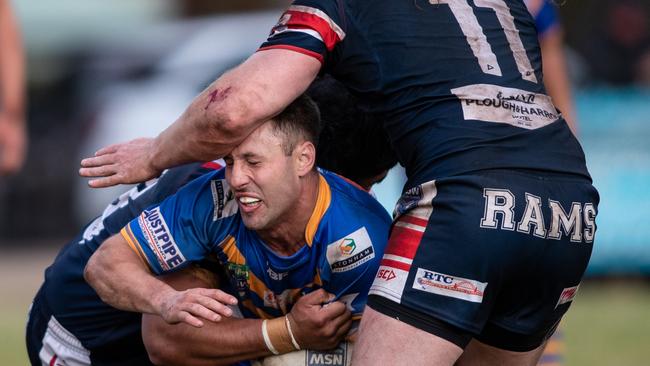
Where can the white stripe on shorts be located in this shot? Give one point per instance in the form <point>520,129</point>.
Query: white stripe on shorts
<point>62,347</point>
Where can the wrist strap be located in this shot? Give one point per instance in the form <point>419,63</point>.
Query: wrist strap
<point>277,337</point>
<point>293,339</point>
<point>267,340</point>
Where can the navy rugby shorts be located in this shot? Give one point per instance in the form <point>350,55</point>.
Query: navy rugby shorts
<point>495,255</point>
<point>51,343</point>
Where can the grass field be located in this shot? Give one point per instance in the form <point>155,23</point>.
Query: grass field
<point>608,324</point>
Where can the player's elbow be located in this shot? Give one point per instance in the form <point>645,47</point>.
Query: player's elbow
<point>91,271</point>
<point>95,274</point>
<point>235,118</point>
<point>160,355</point>
<point>161,349</point>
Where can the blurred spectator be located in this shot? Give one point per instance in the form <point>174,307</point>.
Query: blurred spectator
<point>13,138</point>
<point>551,41</point>
<point>616,54</point>
<point>643,70</point>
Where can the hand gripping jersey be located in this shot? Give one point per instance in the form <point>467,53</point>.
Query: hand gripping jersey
<point>344,242</point>
<point>108,333</point>
<point>459,81</point>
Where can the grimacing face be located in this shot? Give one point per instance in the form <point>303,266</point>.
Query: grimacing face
<point>263,178</point>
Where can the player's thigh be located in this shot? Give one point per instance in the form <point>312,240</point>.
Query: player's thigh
<point>440,271</point>
<point>480,354</point>
<point>387,341</point>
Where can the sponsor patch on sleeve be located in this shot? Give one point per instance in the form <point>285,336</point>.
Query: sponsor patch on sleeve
<point>389,282</point>
<point>451,286</point>
<point>160,240</point>
<point>350,251</point>
<point>223,199</point>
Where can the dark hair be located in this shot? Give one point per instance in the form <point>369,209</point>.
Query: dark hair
<point>353,142</point>
<point>300,121</point>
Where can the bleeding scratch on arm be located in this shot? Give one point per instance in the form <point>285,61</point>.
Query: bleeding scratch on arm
<point>218,95</point>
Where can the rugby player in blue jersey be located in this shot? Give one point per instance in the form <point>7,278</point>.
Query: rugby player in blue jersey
<point>70,324</point>
<point>292,239</point>
<point>496,223</point>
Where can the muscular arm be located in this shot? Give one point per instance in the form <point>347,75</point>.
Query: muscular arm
<point>123,280</point>
<point>217,120</point>
<point>222,343</point>
<point>234,339</point>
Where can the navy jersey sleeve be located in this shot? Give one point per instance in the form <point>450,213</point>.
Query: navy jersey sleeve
<point>185,227</point>
<point>131,203</point>
<point>311,27</point>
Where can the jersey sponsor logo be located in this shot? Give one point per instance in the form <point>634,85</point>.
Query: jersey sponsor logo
<point>239,277</point>
<point>351,251</point>
<point>347,246</point>
<point>416,201</point>
<point>567,295</point>
<point>408,200</point>
<point>160,239</point>
<point>276,276</point>
<point>578,224</point>
<point>447,285</point>
<point>386,274</point>
<point>96,227</point>
<point>389,281</point>
<point>336,357</point>
<point>223,199</point>
<point>516,107</point>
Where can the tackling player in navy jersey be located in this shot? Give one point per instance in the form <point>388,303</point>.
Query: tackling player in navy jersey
<point>496,223</point>
<point>69,322</point>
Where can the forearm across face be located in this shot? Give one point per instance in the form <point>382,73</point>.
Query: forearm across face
<point>122,280</point>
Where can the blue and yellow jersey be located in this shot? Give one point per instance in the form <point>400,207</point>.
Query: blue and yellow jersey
<point>66,295</point>
<point>344,242</point>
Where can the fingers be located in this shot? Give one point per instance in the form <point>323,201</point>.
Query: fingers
<point>215,307</point>
<point>219,296</point>
<point>187,318</point>
<point>200,309</point>
<point>343,329</point>
<point>200,303</point>
<point>342,320</point>
<point>334,309</point>
<point>109,181</point>
<point>107,150</point>
<point>96,161</point>
<point>318,297</point>
<point>98,171</point>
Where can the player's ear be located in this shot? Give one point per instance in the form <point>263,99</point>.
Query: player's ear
<point>305,157</point>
